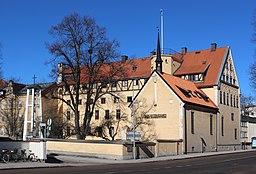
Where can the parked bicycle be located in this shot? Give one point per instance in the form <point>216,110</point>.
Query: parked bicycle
<point>13,155</point>
<point>5,157</point>
<point>28,157</point>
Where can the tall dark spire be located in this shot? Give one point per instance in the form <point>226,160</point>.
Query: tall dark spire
<point>159,60</point>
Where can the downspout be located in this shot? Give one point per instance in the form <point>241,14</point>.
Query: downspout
<point>185,131</point>
<point>216,131</point>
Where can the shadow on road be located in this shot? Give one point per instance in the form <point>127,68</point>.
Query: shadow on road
<point>51,158</point>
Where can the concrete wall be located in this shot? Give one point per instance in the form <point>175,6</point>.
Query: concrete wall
<point>99,149</point>
<point>37,147</point>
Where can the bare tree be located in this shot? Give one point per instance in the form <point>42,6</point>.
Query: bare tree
<point>110,127</point>
<point>252,69</point>
<point>87,58</point>
<point>142,122</point>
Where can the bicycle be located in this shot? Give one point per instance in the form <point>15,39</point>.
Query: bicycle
<point>5,155</point>
<point>31,156</point>
<point>13,155</point>
<point>23,155</point>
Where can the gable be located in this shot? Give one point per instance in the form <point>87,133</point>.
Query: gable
<point>228,72</point>
<point>184,91</point>
<point>204,63</point>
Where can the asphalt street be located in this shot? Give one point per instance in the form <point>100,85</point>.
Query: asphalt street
<point>233,163</point>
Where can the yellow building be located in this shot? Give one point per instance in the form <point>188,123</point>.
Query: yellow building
<point>189,99</point>
<point>13,105</point>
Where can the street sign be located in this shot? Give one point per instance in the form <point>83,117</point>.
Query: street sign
<point>137,136</point>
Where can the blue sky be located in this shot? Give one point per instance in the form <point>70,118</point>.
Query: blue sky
<point>195,24</point>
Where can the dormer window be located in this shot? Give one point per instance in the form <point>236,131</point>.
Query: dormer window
<point>134,68</point>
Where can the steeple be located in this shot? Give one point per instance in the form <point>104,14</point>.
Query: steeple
<point>159,60</point>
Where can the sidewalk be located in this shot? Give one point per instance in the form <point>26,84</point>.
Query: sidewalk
<point>65,160</point>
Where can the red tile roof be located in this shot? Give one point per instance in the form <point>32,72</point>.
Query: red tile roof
<point>200,61</point>
<point>134,68</point>
<point>187,91</point>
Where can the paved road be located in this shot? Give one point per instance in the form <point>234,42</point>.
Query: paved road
<point>236,163</point>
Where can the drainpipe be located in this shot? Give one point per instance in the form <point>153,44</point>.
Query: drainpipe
<point>185,131</point>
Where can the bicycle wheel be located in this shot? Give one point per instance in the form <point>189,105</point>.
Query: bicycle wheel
<point>32,157</point>
<point>15,157</point>
<point>6,158</point>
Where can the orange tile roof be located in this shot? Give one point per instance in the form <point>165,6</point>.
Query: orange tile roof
<point>188,91</point>
<point>134,68</point>
<point>200,61</point>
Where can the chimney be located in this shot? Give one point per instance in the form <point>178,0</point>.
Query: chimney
<point>213,46</point>
<point>124,58</point>
<point>152,53</point>
<point>183,50</point>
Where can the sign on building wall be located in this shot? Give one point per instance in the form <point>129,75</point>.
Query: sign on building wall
<point>155,116</point>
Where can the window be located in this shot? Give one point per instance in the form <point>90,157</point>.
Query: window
<point>234,101</point>
<point>237,101</point>
<point>80,101</point>
<point>85,86</point>
<point>227,99</point>
<point>20,104</point>
<point>224,98</point>
<point>223,77</point>
<point>68,115</point>
<point>220,97</point>
<point>91,101</point>
<point>232,116</point>
<point>124,83</point>
<point>222,126</point>
<point>114,84</point>
<point>3,105</point>
<point>20,118</point>
<point>9,104</point>
<point>134,68</point>
<point>244,134</point>
<point>97,114</point>
<point>129,99</point>
<point>244,124</point>
<point>107,114</point>
<point>135,82</point>
<point>192,123</point>
<point>231,101</point>
<point>211,130</point>
<point>116,100</point>
<point>68,131</point>
<point>103,100</point>
<point>118,114</point>
<point>235,134</point>
<point>2,118</point>
<point>103,84</point>
<point>196,77</point>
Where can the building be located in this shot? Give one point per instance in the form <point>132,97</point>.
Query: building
<point>248,124</point>
<point>199,89</point>
<point>13,105</point>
